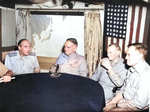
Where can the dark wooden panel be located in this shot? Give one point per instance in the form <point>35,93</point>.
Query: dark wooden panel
<point>0,35</point>
<point>147,33</point>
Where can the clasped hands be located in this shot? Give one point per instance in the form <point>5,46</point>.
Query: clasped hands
<point>109,106</point>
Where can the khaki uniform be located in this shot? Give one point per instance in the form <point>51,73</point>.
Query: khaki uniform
<point>109,82</point>
<point>74,64</point>
<point>136,90</point>
<point>3,69</point>
<point>79,70</point>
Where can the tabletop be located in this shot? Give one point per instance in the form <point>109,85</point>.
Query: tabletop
<point>39,92</point>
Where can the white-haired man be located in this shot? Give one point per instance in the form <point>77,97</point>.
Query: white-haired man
<point>111,71</point>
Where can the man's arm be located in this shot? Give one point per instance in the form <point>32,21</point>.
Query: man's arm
<point>83,68</point>
<point>5,73</point>
<point>7,76</point>
<point>37,68</point>
<point>140,99</point>
<point>97,73</point>
<point>113,103</point>
<point>116,78</point>
<point>7,62</point>
<point>116,99</point>
<point>3,69</point>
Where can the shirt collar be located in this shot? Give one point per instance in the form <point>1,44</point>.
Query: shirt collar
<point>18,55</point>
<point>73,55</point>
<point>116,61</point>
<point>132,69</point>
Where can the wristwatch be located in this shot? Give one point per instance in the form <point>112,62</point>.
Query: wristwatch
<point>117,105</point>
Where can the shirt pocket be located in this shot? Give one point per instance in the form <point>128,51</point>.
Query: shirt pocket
<point>29,66</point>
<point>134,85</point>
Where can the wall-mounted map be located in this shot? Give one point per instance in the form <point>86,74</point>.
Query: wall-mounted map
<point>49,33</point>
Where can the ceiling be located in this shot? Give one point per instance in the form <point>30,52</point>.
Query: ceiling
<point>11,3</point>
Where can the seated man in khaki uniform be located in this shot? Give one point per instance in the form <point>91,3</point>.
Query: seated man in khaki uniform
<point>111,71</point>
<point>70,61</point>
<point>22,61</point>
<point>5,74</point>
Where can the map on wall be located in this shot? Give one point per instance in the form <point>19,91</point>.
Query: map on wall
<point>49,33</point>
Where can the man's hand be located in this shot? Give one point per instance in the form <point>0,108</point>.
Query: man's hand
<point>109,107</point>
<point>37,70</point>
<point>106,63</point>
<point>53,68</point>
<point>111,102</point>
<point>9,73</point>
<point>6,78</point>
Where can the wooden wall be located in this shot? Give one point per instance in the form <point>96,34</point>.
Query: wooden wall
<point>46,62</point>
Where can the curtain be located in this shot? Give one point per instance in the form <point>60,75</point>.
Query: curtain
<point>23,25</point>
<point>93,36</point>
<point>8,25</point>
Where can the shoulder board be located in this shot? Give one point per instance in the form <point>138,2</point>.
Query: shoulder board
<point>12,54</point>
<point>32,54</point>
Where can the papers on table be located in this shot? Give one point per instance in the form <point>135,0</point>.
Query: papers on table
<point>2,80</point>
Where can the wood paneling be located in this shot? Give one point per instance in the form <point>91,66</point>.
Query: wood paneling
<point>4,55</point>
<point>46,62</point>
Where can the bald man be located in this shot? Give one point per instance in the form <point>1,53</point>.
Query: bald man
<point>22,61</point>
<point>5,74</point>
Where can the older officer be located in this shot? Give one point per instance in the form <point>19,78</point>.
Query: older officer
<point>111,72</point>
<point>5,74</point>
<point>70,61</point>
<point>22,61</point>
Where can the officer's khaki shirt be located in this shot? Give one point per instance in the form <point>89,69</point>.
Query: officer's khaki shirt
<point>76,65</point>
<point>109,82</point>
<point>136,89</point>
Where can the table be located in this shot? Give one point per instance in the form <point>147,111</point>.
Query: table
<point>39,92</point>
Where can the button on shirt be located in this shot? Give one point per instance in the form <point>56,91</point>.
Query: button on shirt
<point>21,65</point>
<point>136,89</point>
